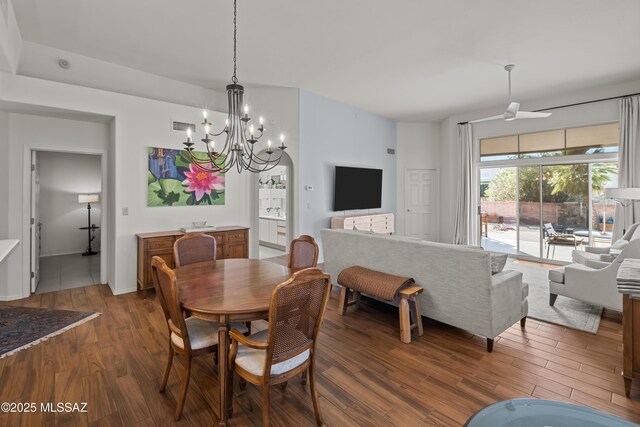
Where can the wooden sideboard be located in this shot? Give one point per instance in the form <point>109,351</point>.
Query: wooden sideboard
<point>231,242</point>
<point>378,223</point>
<point>631,344</point>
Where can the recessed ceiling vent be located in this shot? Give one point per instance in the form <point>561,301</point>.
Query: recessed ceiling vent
<point>182,126</point>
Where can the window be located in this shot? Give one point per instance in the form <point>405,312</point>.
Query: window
<point>541,144</point>
<point>593,139</point>
<point>502,148</point>
<point>562,142</point>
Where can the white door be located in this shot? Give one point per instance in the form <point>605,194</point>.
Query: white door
<point>421,204</point>
<point>35,221</point>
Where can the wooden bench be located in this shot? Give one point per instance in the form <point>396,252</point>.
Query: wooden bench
<point>409,308</point>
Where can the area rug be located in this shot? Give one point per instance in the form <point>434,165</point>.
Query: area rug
<point>566,311</point>
<point>22,327</point>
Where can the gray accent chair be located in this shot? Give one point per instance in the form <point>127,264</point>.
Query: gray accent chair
<point>602,257</point>
<point>459,289</point>
<point>594,285</point>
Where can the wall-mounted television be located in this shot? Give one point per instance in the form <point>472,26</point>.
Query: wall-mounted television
<point>357,188</point>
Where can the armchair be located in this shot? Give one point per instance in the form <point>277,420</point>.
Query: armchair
<point>594,285</point>
<point>602,257</point>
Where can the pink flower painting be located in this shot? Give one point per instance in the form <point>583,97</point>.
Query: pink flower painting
<point>174,180</point>
<point>202,183</point>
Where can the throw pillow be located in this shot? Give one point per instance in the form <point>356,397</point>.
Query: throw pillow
<point>620,244</point>
<point>498,262</point>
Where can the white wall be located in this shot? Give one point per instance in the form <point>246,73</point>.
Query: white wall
<point>418,147</point>
<point>593,113</point>
<point>10,38</point>
<point>4,165</point>
<point>62,177</point>
<point>5,292</point>
<point>333,134</point>
<point>280,109</point>
<point>138,123</point>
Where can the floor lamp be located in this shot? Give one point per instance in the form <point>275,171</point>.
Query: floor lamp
<point>623,196</point>
<point>91,228</point>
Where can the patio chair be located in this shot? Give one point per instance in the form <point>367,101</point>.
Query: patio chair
<point>553,237</point>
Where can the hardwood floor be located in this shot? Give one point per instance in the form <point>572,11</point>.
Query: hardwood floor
<point>366,376</point>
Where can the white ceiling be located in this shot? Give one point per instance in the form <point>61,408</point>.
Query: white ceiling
<point>403,59</point>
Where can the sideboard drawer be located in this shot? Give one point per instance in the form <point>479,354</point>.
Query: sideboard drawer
<point>219,238</point>
<point>160,243</point>
<point>237,236</point>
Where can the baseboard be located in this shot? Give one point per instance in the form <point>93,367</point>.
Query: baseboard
<point>11,297</point>
<point>123,291</point>
<point>60,254</point>
<point>272,245</point>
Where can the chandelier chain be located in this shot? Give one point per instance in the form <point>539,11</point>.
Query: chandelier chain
<point>234,79</point>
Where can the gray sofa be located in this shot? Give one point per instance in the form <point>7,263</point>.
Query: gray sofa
<point>459,289</point>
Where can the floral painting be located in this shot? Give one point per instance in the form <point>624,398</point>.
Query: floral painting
<point>173,180</point>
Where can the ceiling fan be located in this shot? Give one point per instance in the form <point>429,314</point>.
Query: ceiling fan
<point>513,110</point>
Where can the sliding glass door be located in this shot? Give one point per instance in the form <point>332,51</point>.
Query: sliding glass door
<point>498,209</point>
<point>529,231</point>
<point>565,209</point>
<point>546,211</point>
<point>603,175</point>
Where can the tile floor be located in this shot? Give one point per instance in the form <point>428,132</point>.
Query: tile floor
<point>267,252</point>
<point>67,272</point>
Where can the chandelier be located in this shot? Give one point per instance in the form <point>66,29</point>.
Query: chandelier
<point>239,134</point>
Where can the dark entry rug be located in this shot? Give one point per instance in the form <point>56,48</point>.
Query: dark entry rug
<point>22,327</point>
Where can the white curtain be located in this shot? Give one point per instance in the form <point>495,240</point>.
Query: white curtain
<point>629,162</point>
<point>467,220</point>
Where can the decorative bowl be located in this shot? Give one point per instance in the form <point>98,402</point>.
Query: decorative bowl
<point>198,224</point>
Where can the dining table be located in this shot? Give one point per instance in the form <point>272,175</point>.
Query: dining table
<point>225,291</point>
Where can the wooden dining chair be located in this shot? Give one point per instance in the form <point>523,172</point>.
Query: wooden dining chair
<point>194,247</point>
<point>288,347</point>
<point>188,337</point>
<point>303,253</point>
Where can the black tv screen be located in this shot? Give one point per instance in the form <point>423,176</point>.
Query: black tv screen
<point>357,188</point>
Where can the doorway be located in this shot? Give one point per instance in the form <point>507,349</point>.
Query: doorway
<point>66,218</point>
<point>275,209</point>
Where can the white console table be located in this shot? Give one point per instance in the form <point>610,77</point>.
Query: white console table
<point>378,223</point>
<point>6,247</point>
